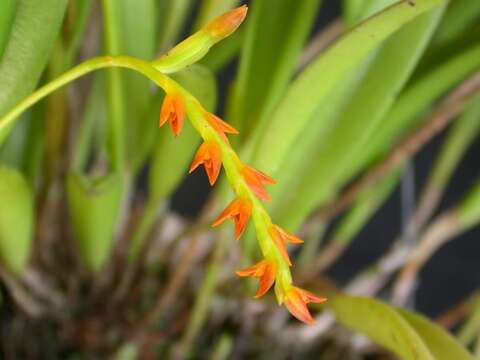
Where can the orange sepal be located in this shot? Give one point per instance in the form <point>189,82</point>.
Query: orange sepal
<point>173,111</point>
<point>210,156</point>
<point>265,271</point>
<point>227,23</point>
<point>296,301</point>
<point>239,210</point>
<point>281,237</point>
<point>221,126</point>
<point>255,179</point>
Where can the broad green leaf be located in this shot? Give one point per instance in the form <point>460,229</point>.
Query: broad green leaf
<point>382,323</point>
<point>32,35</point>
<point>174,14</point>
<point>16,220</point>
<point>8,9</point>
<point>172,155</point>
<point>94,207</point>
<point>442,345</point>
<point>309,91</point>
<point>349,135</point>
<point>275,33</point>
<point>460,15</point>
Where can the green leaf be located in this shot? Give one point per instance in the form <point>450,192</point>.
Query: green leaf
<point>32,36</point>
<point>310,90</point>
<point>442,345</point>
<point>461,14</point>
<point>351,131</point>
<point>382,324</point>
<point>16,220</point>
<point>8,9</point>
<point>174,14</point>
<point>275,33</point>
<point>94,207</point>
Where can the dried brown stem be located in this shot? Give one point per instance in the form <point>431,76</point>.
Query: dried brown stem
<point>405,148</point>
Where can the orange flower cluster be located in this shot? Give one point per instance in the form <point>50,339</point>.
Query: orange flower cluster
<point>211,156</point>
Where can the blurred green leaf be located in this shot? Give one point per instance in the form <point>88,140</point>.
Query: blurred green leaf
<point>408,335</point>
<point>460,15</point>
<point>442,345</point>
<point>174,14</point>
<point>350,133</point>
<point>16,220</point>
<point>32,35</point>
<point>275,33</point>
<point>310,90</point>
<point>8,9</point>
<point>94,207</point>
<point>223,52</point>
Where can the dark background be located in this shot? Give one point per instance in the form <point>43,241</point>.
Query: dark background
<point>452,273</point>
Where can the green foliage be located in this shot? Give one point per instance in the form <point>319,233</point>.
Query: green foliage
<point>408,335</point>
<point>16,220</point>
<point>94,210</point>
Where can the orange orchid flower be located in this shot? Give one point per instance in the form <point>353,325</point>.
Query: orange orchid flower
<point>281,237</point>
<point>210,156</point>
<point>265,271</point>
<point>227,23</point>
<point>239,210</point>
<point>255,180</point>
<point>173,111</point>
<point>296,301</point>
<point>221,126</point>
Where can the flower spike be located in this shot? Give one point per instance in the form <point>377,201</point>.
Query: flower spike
<point>239,210</point>
<point>281,237</point>
<point>210,156</point>
<point>265,271</point>
<point>221,126</point>
<point>173,111</point>
<point>255,180</point>
<point>226,24</point>
<point>296,301</point>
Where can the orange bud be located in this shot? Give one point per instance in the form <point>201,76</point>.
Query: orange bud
<point>296,301</point>
<point>255,180</point>
<point>210,156</point>
<point>265,271</point>
<point>281,237</point>
<point>227,23</point>
<point>173,111</point>
<point>239,210</point>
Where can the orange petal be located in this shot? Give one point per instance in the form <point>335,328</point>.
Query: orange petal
<point>240,211</point>
<point>255,180</point>
<point>173,111</point>
<point>227,23</point>
<point>279,243</point>
<point>220,125</point>
<point>296,302</point>
<point>209,155</point>
<point>265,270</point>
<point>288,236</point>
<point>298,308</point>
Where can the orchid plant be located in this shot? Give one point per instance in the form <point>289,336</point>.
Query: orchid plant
<point>97,258</point>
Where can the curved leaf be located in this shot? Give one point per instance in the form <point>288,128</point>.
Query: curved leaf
<point>442,345</point>
<point>32,36</point>
<point>7,14</point>
<point>382,323</point>
<point>16,219</point>
<point>94,209</point>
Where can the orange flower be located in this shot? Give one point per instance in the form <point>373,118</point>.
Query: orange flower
<point>225,24</point>
<point>239,210</point>
<point>296,301</point>
<point>210,156</point>
<point>281,237</point>
<point>264,270</point>
<point>255,180</point>
<point>173,111</point>
<point>221,126</point>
